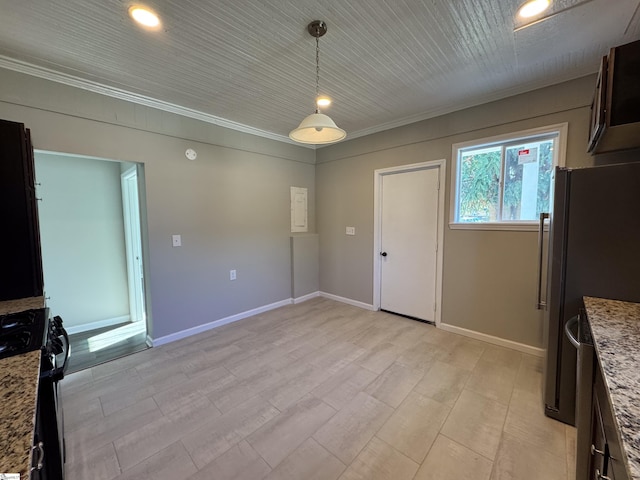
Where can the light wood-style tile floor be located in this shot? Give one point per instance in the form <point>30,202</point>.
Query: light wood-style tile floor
<point>319,390</point>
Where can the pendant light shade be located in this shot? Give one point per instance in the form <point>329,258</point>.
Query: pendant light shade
<point>317,128</point>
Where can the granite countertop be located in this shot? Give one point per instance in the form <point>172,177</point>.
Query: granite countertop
<point>11,306</point>
<point>615,326</point>
<point>18,389</point>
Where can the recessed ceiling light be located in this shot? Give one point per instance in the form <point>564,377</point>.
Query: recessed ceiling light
<point>144,16</point>
<point>533,8</point>
<point>323,101</point>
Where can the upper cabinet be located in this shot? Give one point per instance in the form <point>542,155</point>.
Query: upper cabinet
<point>615,110</point>
<point>20,255</point>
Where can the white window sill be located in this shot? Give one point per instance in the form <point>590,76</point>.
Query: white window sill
<point>516,227</point>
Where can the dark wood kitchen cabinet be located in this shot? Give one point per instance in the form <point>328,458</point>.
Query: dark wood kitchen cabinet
<point>605,456</point>
<point>20,257</point>
<point>615,109</point>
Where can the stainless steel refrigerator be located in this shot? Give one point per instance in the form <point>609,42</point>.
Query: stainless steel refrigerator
<point>593,250</point>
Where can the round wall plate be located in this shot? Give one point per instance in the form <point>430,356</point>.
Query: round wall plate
<point>191,154</point>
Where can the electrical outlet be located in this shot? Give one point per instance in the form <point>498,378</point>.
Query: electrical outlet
<point>351,231</point>
<point>232,274</point>
<point>177,240</point>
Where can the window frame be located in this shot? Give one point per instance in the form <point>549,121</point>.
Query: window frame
<point>503,141</point>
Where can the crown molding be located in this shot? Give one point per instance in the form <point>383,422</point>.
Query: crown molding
<point>19,66</point>
<point>95,87</point>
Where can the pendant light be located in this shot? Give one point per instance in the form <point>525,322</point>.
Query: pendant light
<point>317,128</point>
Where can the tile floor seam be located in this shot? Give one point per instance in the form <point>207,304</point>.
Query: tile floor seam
<point>468,448</point>
<point>483,395</point>
<point>188,453</point>
<point>440,429</point>
<point>220,454</point>
<point>368,369</point>
<point>101,407</point>
<point>513,387</point>
<point>161,449</point>
<point>493,469</point>
<point>375,433</point>
<point>156,404</point>
<point>138,462</point>
<point>533,446</point>
<point>246,439</point>
<point>270,402</point>
<point>115,451</point>
<point>491,400</point>
<point>392,447</point>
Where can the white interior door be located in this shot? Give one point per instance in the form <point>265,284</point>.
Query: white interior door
<point>409,242</point>
<point>133,242</point>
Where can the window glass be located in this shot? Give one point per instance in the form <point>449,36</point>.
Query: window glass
<point>527,181</point>
<point>505,182</point>
<point>480,185</point>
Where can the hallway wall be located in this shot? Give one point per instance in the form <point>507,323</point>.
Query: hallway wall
<point>82,235</point>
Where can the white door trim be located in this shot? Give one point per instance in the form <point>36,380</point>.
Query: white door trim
<point>441,165</point>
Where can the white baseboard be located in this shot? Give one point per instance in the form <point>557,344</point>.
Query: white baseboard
<point>304,298</point>
<point>96,325</point>
<point>502,342</point>
<point>149,341</point>
<point>355,303</point>
<point>156,342</point>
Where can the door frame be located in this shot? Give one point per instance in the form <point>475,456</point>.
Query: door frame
<point>379,174</point>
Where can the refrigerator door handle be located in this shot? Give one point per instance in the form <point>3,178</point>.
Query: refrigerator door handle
<point>540,304</point>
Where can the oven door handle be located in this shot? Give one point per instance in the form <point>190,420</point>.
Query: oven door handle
<point>40,462</point>
<point>58,373</point>
<point>67,352</point>
<point>567,330</point>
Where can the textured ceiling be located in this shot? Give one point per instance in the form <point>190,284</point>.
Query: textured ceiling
<point>384,62</point>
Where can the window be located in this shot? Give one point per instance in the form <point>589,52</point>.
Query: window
<point>505,182</point>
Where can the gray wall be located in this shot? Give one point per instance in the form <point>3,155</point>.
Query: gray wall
<point>305,269</point>
<point>488,276</point>
<point>82,235</point>
<point>231,205</point>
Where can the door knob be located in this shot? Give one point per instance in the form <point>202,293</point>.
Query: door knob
<point>384,254</point>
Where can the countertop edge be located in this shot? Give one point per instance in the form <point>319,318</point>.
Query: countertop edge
<point>32,364</point>
<point>21,304</point>
<point>19,393</point>
<point>606,318</point>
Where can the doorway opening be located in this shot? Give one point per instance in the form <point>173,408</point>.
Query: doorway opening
<point>408,239</point>
<point>91,224</point>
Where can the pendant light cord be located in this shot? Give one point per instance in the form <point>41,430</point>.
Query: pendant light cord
<point>317,72</point>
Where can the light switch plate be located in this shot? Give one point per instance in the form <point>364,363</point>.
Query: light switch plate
<point>351,230</point>
<point>177,240</point>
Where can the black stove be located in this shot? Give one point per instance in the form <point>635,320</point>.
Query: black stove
<point>19,319</point>
<point>23,332</point>
<point>32,330</point>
